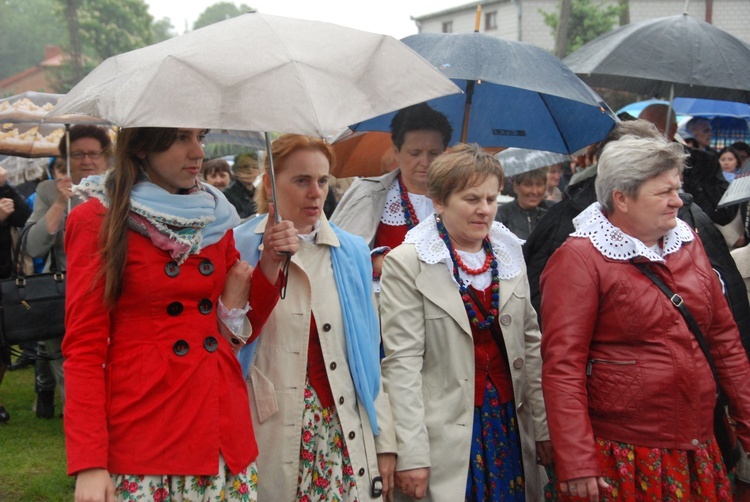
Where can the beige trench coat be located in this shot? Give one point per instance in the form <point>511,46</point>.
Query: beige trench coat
<point>276,381</point>
<point>428,372</point>
<point>362,206</point>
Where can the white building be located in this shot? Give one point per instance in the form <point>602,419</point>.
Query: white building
<point>521,19</point>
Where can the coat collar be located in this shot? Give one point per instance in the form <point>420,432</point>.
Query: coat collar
<point>326,235</point>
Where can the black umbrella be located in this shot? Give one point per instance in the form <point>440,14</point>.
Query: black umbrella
<point>664,57</point>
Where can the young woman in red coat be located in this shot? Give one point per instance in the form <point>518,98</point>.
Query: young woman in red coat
<point>157,407</point>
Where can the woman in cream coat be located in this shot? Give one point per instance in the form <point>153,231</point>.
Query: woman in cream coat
<point>314,377</point>
<point>431,346</point>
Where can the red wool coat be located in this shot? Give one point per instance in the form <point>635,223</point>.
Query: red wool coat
<point>152,387</point>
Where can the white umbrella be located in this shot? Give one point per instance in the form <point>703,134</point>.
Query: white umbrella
<point>258,72</point>
<point>520,160</point>
<point>262,73</point>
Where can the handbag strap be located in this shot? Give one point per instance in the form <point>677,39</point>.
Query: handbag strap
<point>494,329</point>
<point>676,300</point>
<point>19,252</point>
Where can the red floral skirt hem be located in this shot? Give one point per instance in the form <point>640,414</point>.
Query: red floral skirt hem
<point>640,473</point>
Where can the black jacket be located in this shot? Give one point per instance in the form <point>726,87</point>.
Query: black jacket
<point>16,219</point>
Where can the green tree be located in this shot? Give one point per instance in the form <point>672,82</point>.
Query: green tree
<point>98,29</point>
<point>111,27</point>
<point>220,11</point>
<point>162,30</point>
<point>26,26</point>
<point>588,20</point>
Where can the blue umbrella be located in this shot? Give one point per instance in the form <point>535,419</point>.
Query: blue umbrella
<point>711,108</point>
<point>515,94</point>
<point>635,109</point>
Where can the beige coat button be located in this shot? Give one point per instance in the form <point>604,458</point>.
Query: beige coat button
<point>505,319</point>
<point>518,363</point>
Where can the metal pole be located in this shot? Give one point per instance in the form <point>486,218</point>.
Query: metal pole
<point>67,158</point>
<point>669,112</point>
<point>272,176</point>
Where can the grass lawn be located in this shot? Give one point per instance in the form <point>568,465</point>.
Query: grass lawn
<point>32,450</point>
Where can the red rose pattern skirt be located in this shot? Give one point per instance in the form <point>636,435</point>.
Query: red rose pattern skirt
<point>325,471</point>
<point>654,474</point>
<point>242,487</point>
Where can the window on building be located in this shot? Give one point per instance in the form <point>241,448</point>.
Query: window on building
<point>490,21</point>
<point>447,26</point>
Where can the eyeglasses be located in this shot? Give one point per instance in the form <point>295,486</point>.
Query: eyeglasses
<point>91,155</point>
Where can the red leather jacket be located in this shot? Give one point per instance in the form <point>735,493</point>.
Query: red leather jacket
<point>620,362</point>
<point>153,387</point>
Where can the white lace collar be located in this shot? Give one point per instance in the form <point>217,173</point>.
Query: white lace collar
<point>393,214</point>
<point>431,249</point>
<point>615,244</point>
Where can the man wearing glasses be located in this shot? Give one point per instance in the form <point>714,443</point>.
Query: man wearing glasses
<point>90,149</point>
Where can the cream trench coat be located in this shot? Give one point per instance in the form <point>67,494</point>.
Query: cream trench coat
<point>361,207</point>
<point>428,372</point>
<point>276,381</point>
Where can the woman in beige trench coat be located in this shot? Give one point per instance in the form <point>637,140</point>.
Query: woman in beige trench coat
<point>443,371</point>
<point>319,429</point>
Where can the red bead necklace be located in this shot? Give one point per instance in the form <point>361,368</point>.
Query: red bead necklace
<point>409,214</point>
<point>474,271</point>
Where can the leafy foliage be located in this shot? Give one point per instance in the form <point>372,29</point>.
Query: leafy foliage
<point>588,20</point>
<point>111,27</point>
<point>220,11</point>
<point>162,30</point>
<point>26,26</point>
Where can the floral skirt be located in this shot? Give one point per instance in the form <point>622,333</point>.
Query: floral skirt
<point>325,471</point>
<point>241,487</point>
<point>654,474</point>
<point>496,462</point>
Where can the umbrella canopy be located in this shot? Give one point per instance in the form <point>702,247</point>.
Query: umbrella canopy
<point>679,53</point>
<point>697,107</point>
<point>258,72</point>
<point>224,142</point>
<point>520,160</point>
<point>22,131</point>
<point>364,154</point>
<point>516,94</point>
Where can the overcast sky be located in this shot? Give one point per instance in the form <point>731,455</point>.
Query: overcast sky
<point>390,17</point>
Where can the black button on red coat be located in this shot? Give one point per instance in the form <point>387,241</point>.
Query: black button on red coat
<point>175,309</point>
<point>172,269</point>
<point>210,344</point>
<point>205,306</point>
<point>181,347</point>
<point>206,267</point>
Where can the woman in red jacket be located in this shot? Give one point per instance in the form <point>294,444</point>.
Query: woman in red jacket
<point>157,407</point>
<point>629,392</point>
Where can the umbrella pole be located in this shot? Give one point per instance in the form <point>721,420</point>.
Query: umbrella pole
<point>470,84</point>
<point>467,110</point>
<point>669,112</point>
<point>277,218</point>
<point>272,176</point>
<point>67,157</point>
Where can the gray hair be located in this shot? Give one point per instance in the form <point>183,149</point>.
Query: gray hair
<point>693,124</point>
<point>627,163</point>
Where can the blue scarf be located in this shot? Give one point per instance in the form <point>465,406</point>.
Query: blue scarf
<point>352,270</point>
<point>179,223</point>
